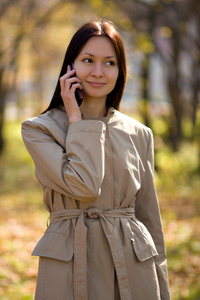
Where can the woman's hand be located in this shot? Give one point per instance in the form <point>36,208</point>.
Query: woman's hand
<point>68,85</point>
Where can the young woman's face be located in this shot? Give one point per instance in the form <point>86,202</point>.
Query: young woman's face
<point>97,67</point>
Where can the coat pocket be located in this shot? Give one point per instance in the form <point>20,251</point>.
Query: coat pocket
<point>144,246</point>
<point>55,245</point>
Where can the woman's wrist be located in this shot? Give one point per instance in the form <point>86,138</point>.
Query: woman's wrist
<point>74,118</point>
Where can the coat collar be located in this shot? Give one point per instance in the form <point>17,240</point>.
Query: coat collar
<point>111,111</point>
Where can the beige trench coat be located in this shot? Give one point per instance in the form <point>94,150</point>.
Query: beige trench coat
<point>105,238</point>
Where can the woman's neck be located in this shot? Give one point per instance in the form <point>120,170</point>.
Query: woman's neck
<point>93,108</point>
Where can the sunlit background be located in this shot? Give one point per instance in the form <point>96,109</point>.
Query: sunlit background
<point>162,41</point>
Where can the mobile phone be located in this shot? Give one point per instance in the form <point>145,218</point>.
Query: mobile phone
<point>78,94</point>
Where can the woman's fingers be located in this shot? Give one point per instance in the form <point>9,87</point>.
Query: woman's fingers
<point>69,81</point>
<point>65,77</point>
<point>69,93</point>
<point>68,85</point>
<point>75,86</point>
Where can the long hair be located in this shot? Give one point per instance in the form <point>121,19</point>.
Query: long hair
<point>80,38</point>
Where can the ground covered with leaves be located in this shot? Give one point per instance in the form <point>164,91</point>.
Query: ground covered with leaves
<point>23,219</point>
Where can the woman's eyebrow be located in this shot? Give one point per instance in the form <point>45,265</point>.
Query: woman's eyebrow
<point>92,55</point>
<point>87,53</point>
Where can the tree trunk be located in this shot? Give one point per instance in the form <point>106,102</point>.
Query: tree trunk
<point>2,105</point>
<point>145,96</point>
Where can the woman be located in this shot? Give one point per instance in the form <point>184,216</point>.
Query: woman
<point>95,165</point>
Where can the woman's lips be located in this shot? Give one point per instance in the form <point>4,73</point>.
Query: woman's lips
<point>96,84</point>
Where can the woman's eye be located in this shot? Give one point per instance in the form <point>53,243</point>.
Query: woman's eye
<point>88,60</point>
<point>110,63</point>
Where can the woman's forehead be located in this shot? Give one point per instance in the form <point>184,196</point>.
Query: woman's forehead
<point>99,45</point>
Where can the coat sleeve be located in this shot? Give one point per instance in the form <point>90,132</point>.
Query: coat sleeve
<point>78,170</point>
<point>147,211</point>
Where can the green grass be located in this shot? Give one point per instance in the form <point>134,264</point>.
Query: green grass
<point>23,218</point>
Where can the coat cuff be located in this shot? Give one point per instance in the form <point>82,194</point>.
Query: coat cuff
<point>88,126</point>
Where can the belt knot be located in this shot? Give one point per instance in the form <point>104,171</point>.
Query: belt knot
<point>93,213</point>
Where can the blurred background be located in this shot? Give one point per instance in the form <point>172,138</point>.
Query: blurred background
<point>162,41</point>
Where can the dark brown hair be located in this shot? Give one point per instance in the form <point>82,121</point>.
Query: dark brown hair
<point>80,38</point>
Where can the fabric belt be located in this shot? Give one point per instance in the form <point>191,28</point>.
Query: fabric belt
<point>80,246</point>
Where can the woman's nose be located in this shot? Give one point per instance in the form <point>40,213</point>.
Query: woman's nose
<point>97,70</point>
